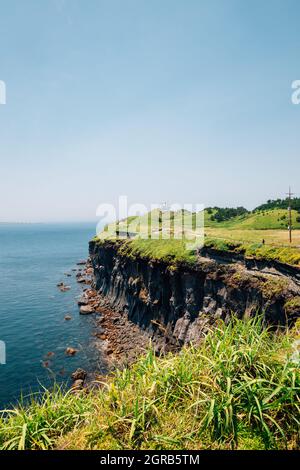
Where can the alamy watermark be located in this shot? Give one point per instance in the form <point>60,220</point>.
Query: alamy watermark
<point>2,92</point>
<point>296,93</point>
<point>2,353</point>
<point>156,221</point>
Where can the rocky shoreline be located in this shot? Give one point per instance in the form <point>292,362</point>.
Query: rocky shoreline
<point>122,340</point>
<point>119,340</point>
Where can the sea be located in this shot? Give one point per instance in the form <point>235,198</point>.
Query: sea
<point>34,334</point>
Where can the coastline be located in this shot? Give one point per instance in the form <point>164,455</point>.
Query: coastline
<point>138,301</point>
<point>119,340</point>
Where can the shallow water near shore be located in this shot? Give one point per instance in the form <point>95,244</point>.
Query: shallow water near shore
<point>33,259</point>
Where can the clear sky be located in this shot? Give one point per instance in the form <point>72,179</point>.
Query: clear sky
<point>161,100</point>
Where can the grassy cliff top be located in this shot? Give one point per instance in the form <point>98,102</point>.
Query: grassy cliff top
<point>172,252</point>
<point>175,252</point>
<point>269,219</point>
<point>242,234</point>
<point>272,219</point>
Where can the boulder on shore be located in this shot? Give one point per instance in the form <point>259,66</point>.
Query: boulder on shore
<point>83,300</point>
<point>79,374</point>
<point>86,309</point>
<point>77,385</point>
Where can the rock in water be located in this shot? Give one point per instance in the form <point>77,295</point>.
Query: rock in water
<point>71,351</point>
<point>62,287</point>
<point>65,288</point>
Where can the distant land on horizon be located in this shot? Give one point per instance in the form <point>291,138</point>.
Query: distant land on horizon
<point>50,222</point>
<point>20,223</point>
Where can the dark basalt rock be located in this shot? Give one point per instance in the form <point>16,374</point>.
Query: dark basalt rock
<point>79,374</point>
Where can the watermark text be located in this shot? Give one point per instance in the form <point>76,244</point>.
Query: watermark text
<point>2,92</point>
<point>156,222</point>
<point>296,93</point>
<point>2,353</point>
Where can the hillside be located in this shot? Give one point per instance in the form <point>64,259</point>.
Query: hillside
<point>258,220</point>
<point>269,215</point>
<point>271,219</point>
<point>280,204</point>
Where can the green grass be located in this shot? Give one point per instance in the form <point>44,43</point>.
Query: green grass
<point>273,219</point>
<point>158,222</point>
<point>175,252</point>
<point>245,233</point>
<point>261,220</point>
<point>39,424</point>
<point>170,251</point>
<point>239,389</point>
<point>284,254</point>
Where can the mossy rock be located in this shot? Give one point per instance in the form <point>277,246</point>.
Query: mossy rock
<point>273,288</point>
<point>292,306</point>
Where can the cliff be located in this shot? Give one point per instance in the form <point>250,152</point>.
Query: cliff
<point>178,303</point>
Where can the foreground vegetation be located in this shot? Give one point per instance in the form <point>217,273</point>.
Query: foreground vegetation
<point>239,389</point>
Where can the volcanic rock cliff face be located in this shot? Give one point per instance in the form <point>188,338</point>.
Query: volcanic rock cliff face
<point>180,303</point>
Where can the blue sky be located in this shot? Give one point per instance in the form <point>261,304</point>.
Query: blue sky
<point>161,100</point>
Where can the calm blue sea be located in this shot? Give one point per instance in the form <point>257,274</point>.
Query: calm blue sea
<point>33,259</point>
